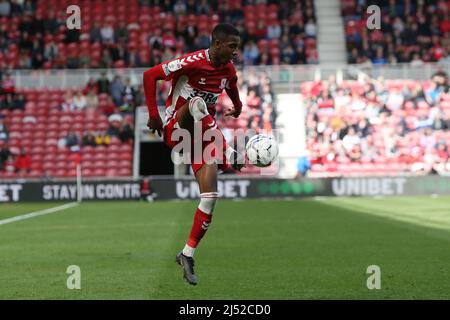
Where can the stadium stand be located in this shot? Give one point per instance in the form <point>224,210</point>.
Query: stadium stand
<point>411,31</point>
<point>378,126</point>
<point>58,130</point>
<point>142,34</point>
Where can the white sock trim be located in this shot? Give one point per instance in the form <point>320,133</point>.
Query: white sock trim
<point>208,201</point>
<point>188,251</point>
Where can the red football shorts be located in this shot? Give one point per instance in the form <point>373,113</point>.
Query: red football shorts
<point>200,160</point>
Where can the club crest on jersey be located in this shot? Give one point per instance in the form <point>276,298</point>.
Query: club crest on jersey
<point>202,81</point>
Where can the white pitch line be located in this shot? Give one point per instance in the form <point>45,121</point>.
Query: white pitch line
<point>38,213</point>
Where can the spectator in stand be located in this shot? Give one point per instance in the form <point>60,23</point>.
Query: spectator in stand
<point>395,100</point>
<point>8,85</point>
<point>122,32</point>
<point>417,60</point>
<point>38,61</point>
<point>129,90</point>
<point>155,41</point>
<point>68,104</point>
<point>6,102</point>
<point>8,164</point>
<point>5,8</point>
<point>442,81</point>
<point>351,139</point>
<point>128,105</point>
<point>103,83</point>
<point>250,53</point>
<point>89,139</point>
<point>22,163</point>
<point>117,90</point>
<point>95,34</point>
<point>168,39</point>
<point>51,23</point>
<point>274,31</point>
<point>19,102</point>
<point>72,35</point>
<point>71,140</point>
<point>114,129</point>
<point>107,33</point>
<point>261,30</point>
<point>92,85</point>
<point>427,140</point>
<point>253,103</point>
<point>132,59</point>
<point>442,152</point>
<point>202,41</point>
<point>50,50</point>
<point>118,52</point>
<point>363,128</point>
<point>3,42</point>
<point>102,139</point>
<point>126,132</point>
<point>91,99</point>
<point>310,29</point>
<point>5,153</point>
<point>79,101</point>
<point>106,59</point>
<point>4,134</point>
<point>432,95</point>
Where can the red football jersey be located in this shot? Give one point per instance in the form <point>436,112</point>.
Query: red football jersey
<point>195,75</point>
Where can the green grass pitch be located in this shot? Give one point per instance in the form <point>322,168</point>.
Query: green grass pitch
<point>255,249</point>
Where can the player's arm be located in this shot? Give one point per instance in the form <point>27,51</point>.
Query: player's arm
<point>164,71</point>
<point>233,92</point>
<point>150,79</point>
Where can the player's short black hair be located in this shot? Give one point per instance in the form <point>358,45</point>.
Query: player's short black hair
<point>223,30</point>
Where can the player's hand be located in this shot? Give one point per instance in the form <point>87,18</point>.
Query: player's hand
<point>155,125</point>
<point>233,112</point>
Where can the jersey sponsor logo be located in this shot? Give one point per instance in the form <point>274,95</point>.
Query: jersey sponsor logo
<point>208,97</point>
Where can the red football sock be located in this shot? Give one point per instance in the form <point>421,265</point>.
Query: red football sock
<point>199,227</point>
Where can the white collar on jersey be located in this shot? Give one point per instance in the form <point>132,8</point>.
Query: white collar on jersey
<point>207,54</point>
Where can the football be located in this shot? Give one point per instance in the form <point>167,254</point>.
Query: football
<point>262,150</point>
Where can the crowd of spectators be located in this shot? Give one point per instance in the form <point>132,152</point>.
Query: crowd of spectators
<point>16,163</point>
<point>119,128</point>
<point>9,99</point>
<point>412,31</point>
<point>109,96</point>
<point>259,105</point>
<point>33,36</point>
<point>379,122</point>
